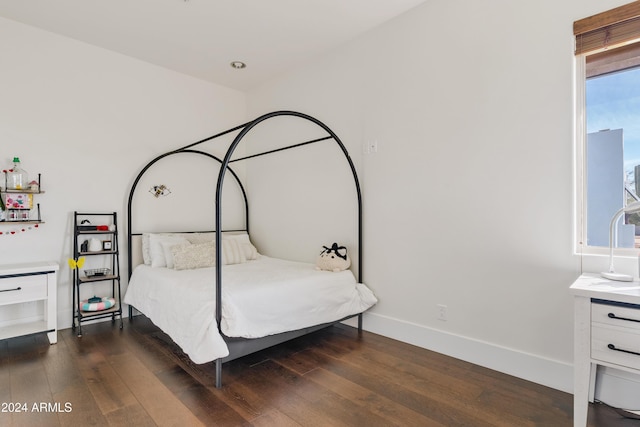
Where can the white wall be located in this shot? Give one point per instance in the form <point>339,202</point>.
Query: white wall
<point>469,199</point>
<point>89,120</point>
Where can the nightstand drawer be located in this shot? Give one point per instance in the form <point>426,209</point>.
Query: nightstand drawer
<point>616,315</point>
<point>23,288</point>
<point>620,346</point>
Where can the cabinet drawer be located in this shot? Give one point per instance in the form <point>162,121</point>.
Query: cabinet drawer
<point>616,345</point>
<point>23,288</point>
<point>614,315</point>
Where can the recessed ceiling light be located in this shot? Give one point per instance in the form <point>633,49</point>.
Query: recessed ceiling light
<point>238,65</point>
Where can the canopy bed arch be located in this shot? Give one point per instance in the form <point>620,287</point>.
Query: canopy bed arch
<point>244,301</point>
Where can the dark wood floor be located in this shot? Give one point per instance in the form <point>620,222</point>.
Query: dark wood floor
<point>137,377</point>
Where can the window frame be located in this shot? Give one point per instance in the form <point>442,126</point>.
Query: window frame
<point>599,25</point>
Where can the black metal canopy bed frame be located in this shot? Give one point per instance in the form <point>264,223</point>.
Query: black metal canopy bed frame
<point>239,347</point>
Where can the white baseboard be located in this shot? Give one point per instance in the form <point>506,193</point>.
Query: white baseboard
<point>550,373</point>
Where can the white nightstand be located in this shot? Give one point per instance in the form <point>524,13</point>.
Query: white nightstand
<point>20,283</point>
<point>606,332</point>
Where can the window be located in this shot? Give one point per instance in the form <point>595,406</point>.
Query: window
<point>608,53</point>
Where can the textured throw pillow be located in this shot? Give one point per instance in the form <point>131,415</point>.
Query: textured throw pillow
<point>157,251</point>
<point>195,255</point>
<point>168,255</point>
<point>200,237</point>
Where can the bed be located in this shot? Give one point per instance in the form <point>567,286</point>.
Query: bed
<point>218,305</point>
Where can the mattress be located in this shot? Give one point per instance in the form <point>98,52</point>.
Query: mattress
<point>262,297</point>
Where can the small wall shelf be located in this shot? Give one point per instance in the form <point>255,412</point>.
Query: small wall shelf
<point>9,218</point>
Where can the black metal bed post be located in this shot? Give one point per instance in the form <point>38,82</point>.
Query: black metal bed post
<point>218,221</point>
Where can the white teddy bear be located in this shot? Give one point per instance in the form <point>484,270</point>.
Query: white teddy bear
<point>334,259</point>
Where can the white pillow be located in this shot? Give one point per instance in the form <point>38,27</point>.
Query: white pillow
<point>156,251</point>
<point>232,253</point>
<point>146,254</point>
<point>146,246</point>
<point>250,251</point>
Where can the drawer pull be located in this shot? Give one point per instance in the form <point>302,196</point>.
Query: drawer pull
<point>11,290</point>
<point>613,347</point>
<point>613,316</point>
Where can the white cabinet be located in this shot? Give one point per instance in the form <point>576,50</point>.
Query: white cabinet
<point>606,332</point>
<point>20,283</point>
<point>615,334</point>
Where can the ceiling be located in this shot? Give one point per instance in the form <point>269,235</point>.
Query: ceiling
<point>201,38</point>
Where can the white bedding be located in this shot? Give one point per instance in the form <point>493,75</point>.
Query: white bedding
<point>261,297</point>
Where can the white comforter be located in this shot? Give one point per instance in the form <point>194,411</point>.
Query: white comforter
<point>261,297</point>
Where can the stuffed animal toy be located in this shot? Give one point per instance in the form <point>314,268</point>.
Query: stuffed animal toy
<point>334,259</point>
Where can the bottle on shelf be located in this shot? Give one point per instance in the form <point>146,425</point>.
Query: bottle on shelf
<point>17,178</point>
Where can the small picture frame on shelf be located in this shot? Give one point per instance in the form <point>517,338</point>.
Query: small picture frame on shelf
<point>106,245</point>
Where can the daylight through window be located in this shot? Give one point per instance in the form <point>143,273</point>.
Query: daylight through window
<point>611,175</point>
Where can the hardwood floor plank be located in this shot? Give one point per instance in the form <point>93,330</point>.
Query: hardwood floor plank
<point>106,386</point>
<point>281,395</point>
<point>332,408</point>
<point>128,416</point>
<point>244,399</point>
<point>429,402</point>
<point>440,387</point>
<point>274,418</point>
<point>136,340</point>
<point>60,366</point>
<point>209,408</point>
<point>28,382</point>
<point>393,413</point>
<point>163,406</point>
<point>84,409</point>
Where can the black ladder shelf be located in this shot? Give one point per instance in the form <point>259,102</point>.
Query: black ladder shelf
<point>101,226</point>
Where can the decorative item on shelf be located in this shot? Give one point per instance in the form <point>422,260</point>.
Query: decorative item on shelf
<point>98,303</point>
<point>97,272</point>
<point>107,245</point>
<point>18,201</point>
<point>76,263</point>
<point>34,186</point>
<point>159,190</point>
<point>95,245</point>
<point>16,178</point>
<point>18,206</point>
<point>85,225</point>
<point>611,274</point>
